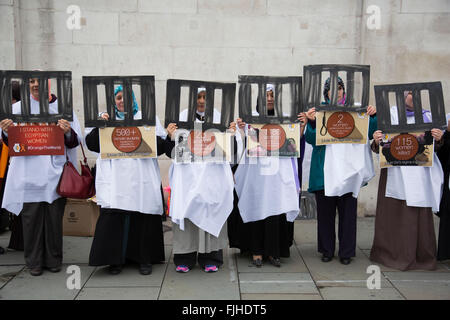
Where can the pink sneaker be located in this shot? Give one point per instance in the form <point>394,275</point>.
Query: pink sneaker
<point>211,268</point>
<point>182,268</point>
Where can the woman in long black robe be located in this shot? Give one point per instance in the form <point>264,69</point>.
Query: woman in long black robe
<point>444,208</point>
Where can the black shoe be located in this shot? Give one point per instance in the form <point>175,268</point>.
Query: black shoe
<point>326,258</point>
<point>275,262</point>
<point>257,263</point>
<point>37,271</point>
<point>145,269</point>
<point>55,269</point>
<point>2,251</point>
<point>345,261</point>
<point>114,269</point>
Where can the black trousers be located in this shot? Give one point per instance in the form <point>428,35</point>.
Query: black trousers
<point>43,233</point>
<point>122,235</point>
<point>346,206</point>
<point>190,259</point>
<point>16,239</point>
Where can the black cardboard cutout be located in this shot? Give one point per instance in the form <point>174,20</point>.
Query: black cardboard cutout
<point>245,99</point>
<point>64,95</point>
<point>312,84</point>
<point>147,105</point>
<point>173,98</point>
<point>437,107</point>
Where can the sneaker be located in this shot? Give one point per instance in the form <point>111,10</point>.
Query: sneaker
<point>211,268</point>
<point>182,268</point>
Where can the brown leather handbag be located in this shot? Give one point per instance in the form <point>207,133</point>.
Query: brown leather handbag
<point>72,184</point>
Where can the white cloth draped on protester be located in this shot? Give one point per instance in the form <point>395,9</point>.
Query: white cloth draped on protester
<point>347,167</point>
<point>418,186</point>
<point>35,178</point>
<point>201,192</point>
<point>266,187</point>
<point>130,184</point>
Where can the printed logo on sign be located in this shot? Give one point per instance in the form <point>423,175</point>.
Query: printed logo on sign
<point>16,147</point>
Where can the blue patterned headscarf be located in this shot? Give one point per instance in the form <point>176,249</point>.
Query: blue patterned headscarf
<point>119,114</point>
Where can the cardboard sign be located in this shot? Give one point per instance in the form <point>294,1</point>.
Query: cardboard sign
<point>274,140</point>
<point>407,149</point>
<point>35,140</point>
<point>128,142</point>
<point>202,146</point>
<point>341,127</point>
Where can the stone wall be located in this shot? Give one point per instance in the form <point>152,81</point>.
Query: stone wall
<point>218,40</point>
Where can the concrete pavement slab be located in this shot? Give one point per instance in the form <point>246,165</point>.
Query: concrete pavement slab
<point>48,286</point>
<point>441,266</point>
<point>11,257</point>
<point>356,293</point>
<point>335,274</point>
<point>276,283</point>
<point>76,249</point>
<point>7,273</point>
<point>4,236</point>
<point>421,285</point>
<point>124,293</point>
<point>198,285</point>
<point>280,296</point>
<point>292,264</point>
<point>129,277</point>
<point>305,231</point>
<point>365,231</point>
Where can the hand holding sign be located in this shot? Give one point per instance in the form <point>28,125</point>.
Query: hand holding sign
<point>311,114</point>
<point>5,124</point>
<point>240,123</point>
<point>64,125</point>
<point>171,128</point>
<point>437,134</point>
<point>378,136</point>
<point>232,127</point>
<point>371,110</point>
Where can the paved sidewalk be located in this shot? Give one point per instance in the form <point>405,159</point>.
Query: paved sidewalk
<point>301,277</point>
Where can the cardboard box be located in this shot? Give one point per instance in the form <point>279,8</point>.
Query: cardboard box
<point>80,218</point>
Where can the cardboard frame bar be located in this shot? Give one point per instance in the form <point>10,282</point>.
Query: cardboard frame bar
<point>312,77</point>
<point>245,99</point>
<point>147,107</point>
<point>64,95</point>
<point>173,97</point>
<point>437,106</point>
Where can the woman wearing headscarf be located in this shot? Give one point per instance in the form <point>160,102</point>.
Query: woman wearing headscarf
<point>407,195</point>
<point>31,191</point>
<point>444,208</point>
<point>337,173</point>
<point>266,201</point>
<point>129,227</point>
<point>200,203</point>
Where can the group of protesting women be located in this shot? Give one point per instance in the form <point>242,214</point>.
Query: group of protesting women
<point>242,205</point>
